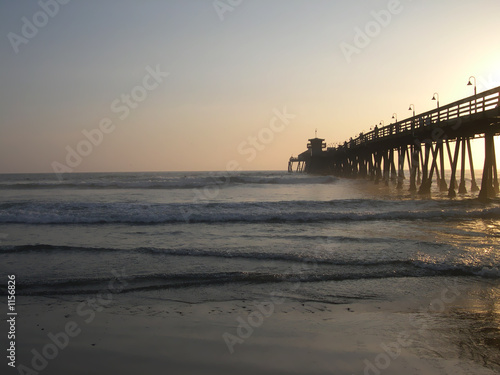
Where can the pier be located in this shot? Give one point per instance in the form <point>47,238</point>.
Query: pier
<point>418,147</point>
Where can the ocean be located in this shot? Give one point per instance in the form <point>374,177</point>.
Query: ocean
<point>198,237</point>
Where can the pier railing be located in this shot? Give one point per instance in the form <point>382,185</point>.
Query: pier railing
<point>465,108</point>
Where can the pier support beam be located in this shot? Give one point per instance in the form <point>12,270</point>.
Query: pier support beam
<point>419,165</point>
<point>425,187</point>
<point>378,168</point>
<point>401,167</point>
<point>443,186</point>
<point>474,186</point>
<point>371,167</point>
<point>489,171</point>
<point>414,167</point>
<point>364,170</point>
<point>387,167</point>
<point>394,174</point>
<point>495,173</point>
<point>462,189</point>
<point>454,162</point>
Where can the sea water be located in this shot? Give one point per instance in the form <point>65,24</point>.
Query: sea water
<point>201,237</point>
<point>176,230</point>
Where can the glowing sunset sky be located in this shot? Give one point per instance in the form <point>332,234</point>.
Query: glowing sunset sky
<point>231,69</point>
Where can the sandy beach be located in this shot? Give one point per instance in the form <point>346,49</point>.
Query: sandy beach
<point>270,337</point>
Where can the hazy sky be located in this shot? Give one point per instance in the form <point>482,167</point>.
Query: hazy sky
<point>196,84</point>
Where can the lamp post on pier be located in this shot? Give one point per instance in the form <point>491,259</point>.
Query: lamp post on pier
<point>475,91</point>
<point>475,85</point>
<point>412,106</point>
<point>436,97</point>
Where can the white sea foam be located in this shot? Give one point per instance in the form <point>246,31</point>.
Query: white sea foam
<point>251,212</point>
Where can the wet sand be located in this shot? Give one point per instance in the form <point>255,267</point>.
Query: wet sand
<point>133,335</point>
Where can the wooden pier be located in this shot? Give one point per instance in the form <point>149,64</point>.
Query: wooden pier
<point>418,147</point>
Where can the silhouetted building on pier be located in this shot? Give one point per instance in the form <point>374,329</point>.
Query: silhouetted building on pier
<point>315,160</point>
